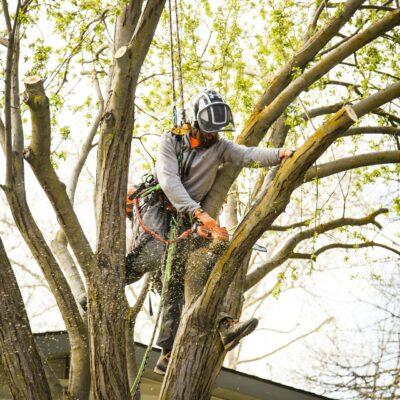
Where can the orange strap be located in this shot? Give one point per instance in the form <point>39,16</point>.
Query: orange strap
<point>154,234</point>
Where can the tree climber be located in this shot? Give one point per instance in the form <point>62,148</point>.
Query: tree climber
<point>186,167</point>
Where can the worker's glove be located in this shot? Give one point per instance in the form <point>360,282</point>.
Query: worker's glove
<point>209,227</point>
<point>129,201</point>
<point>285,153</point>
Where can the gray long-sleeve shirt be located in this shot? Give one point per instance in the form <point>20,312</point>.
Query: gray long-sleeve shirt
<point>200,167</point>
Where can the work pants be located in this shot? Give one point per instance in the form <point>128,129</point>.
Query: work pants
<point>147,255</point>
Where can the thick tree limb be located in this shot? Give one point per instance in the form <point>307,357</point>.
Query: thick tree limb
<point>79,381</point>
<point>288,246</point>
<point>345,164</point>
<point>289,176</point>
<point>260,122</point>
<point>58,286</point>
<point>199,317</point>
<point>10,62</point>
<point>354,246</point>
<point>38,156</point>
<point>24,370</point>
<point>60,244</point>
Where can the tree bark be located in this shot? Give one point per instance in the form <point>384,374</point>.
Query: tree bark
<point>107,302</point>
<point>23,366</point>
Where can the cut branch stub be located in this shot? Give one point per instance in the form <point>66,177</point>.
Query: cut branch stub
<point>34,93</point>
<point>120,52</point>
<point>35,97</point>
<point>351,113</point>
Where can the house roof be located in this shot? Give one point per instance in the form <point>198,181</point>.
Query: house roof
<point>230,384</point>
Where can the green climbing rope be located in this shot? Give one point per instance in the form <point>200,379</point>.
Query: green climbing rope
<point>176,223</point>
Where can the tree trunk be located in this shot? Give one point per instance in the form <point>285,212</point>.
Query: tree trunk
<point>107,301</point>
<point>23,366</point>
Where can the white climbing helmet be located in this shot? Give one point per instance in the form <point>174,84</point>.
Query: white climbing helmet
<point>211,113</point>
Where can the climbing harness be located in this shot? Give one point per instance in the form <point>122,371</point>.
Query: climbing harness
<point>154,234</point>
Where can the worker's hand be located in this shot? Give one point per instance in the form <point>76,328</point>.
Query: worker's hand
<point>285,153</point>
<point>210,224</point>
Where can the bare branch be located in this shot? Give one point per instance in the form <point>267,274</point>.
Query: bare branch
<point>376,7</point>
<point>303,336</point>
<point>344,40</point>
<point>314,20</point>
<point>87,145</point>
<point>288,246</point>
<point>7,16</point>
<point>316,112</point>
<point>97,55</point>
<point>373,130</point>
<point>134,310</point>
<point>374,70</point>
<point>38,156</point>
<point>278,228</point>
<point>348,85</point>
<point>391,117</point>
<point>350,246</point>
<point>345,164</point>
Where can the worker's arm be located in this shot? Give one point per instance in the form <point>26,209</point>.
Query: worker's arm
<point>251,156</point>
<point>167,171</point>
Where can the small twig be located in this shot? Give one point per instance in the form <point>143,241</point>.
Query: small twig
<point>152,76</point>
<point>344,40</point>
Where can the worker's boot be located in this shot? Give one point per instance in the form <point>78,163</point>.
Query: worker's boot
<point>162,363</point>
<point>232,331</point>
